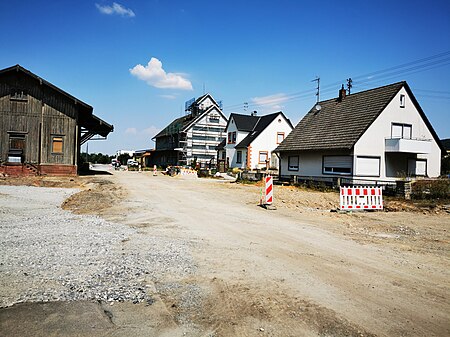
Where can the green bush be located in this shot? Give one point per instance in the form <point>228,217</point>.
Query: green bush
<point>431,189</point>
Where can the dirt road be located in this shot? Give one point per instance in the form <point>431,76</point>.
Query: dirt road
<point>275,273</point>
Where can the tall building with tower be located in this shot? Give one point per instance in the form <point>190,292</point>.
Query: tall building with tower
<point>192,139</point>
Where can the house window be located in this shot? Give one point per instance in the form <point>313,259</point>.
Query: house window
<point>57,144</point>
<point>223,155</point>
<point>229,137</point>
<point>402,101</point>
<point>238,157</point>
<point>280,137</point>
<point>341,165</point>
<point>234,137</point>
<point>417,167</point>
<point>399,130</point>
<point>293,163</point>
<point>263,157</point>
<point>368,166</point>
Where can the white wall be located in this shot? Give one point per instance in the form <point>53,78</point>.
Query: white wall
<point>229,148</point>
<point>267,140</point>
<point>372,143</point>
<point>310,164</point>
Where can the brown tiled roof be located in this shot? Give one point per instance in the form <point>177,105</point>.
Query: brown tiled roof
<point>339,124</point>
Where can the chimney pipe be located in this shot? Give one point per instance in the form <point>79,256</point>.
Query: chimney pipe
<point>342,93</point>
<point>254,113</point>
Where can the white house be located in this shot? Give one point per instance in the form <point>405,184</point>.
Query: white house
<point>193,137</point>
<point>375,135</point>
<point>251,140</point>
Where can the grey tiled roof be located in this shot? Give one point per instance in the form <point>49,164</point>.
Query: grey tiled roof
<point>339,124</point>
<point>244,122</point>
<point>260,126</point>
<point>175,126</point>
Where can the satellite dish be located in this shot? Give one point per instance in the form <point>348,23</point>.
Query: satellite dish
<point>318,107</point>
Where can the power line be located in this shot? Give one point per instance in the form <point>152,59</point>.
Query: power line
<point>409,68</point>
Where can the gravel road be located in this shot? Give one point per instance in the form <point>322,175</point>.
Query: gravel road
<point>194,257</point>
<point>48,254</point>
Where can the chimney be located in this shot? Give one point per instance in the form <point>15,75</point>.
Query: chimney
<point>254,113</point>
<point>342,93</point>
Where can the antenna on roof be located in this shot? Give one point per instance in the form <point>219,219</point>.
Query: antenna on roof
<point>318,88</point>
<point>349,84</point>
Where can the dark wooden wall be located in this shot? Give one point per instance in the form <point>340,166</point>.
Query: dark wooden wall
<point>43,114</point>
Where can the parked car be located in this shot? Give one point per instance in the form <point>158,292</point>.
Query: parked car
<point>131,162</point>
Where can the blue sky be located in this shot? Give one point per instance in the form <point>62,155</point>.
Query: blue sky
<point>264,53</point>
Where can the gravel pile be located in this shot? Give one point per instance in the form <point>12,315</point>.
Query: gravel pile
<point>48,254</point>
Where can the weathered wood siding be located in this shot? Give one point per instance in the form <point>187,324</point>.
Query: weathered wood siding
<point>41,114</point>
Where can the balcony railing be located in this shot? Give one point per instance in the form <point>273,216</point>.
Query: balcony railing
<point>408,145</point>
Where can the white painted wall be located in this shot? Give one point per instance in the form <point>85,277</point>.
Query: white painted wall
<point>229,148</point>
<point>372,142</point>
<point>310,164</point>
<point>267,140</point>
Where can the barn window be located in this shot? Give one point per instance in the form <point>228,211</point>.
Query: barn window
<point>16,151</point>
<point>57,144</point>
<point>19,96</point>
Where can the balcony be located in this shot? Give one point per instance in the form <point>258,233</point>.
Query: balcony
<point>406,145</point>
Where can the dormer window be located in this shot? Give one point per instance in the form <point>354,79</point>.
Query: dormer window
<point>402,101</point>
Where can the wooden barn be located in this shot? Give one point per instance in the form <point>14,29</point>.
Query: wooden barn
<point>42,127</point>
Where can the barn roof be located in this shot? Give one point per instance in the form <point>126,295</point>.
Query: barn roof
<point>86,118</point>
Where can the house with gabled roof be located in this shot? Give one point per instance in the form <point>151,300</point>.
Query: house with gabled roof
<point>192,138</point>
<point>42,127</point>
<point>377,135</point>
<point>251,140</point>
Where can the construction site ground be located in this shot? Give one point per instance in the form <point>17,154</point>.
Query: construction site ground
<point>299,270</point>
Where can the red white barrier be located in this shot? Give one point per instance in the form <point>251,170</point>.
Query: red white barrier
<point>154,170</point>
<point>188,173</point>
<point>360,198</point>
<point>269,190</point>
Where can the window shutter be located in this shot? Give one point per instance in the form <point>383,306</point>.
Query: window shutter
<point>368,166</point>
<point>337,161</point>
<point>397,131</point>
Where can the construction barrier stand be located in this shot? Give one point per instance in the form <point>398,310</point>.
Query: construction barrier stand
<point>361,198</point>
<point>188,172</point>
<point>269,189</point>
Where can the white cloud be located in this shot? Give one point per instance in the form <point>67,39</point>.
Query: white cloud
<point>168,96</point>
<point>271,102</point>
<point>155,76</point>
<point>115,8</point>
<point>131,131</point>
<point>151,131</point>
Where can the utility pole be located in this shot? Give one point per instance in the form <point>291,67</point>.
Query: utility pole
<point>349,84</point>
<point>318,88</point>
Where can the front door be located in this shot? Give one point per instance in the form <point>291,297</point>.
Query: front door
<point>16,153</point>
